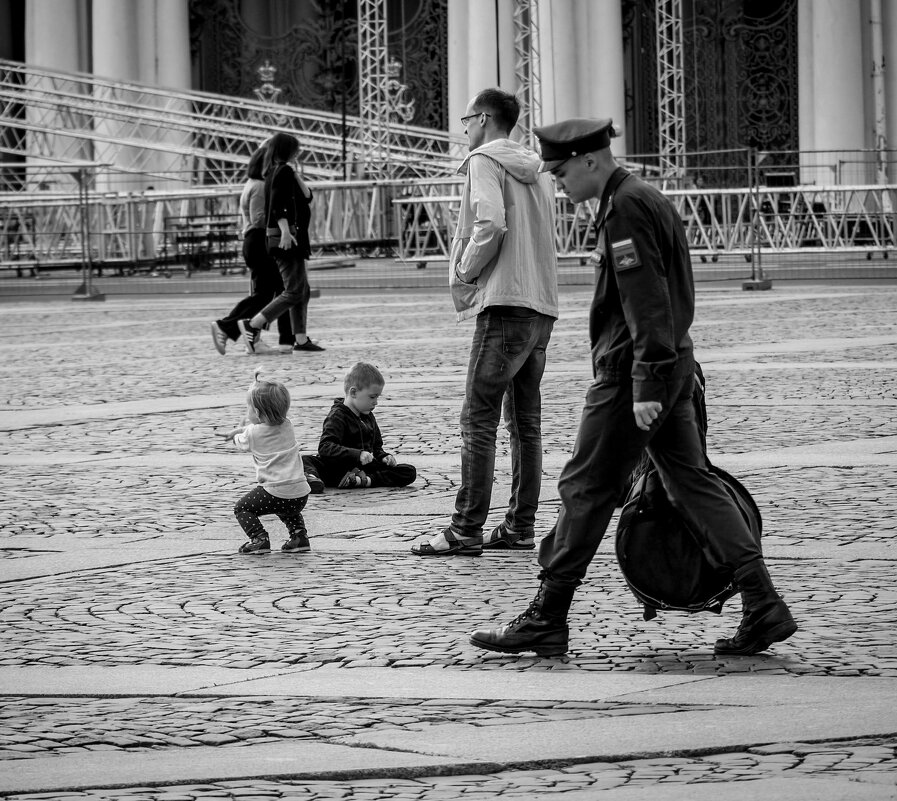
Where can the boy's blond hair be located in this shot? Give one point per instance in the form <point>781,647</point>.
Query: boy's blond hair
<point>363,375</point>
<point>270,399</point>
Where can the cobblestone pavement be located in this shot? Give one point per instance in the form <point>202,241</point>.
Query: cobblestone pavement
<point>119,555</point>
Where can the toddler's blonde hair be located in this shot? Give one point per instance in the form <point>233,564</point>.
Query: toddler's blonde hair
<point>269,398</point>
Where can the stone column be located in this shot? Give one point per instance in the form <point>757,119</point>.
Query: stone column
<point>559,60</point>
<point>55,35</point>
<point>164,61</point>
<point>164,43</point>
<point>115,40</point>
<point>599,50</point>
<point>115,58</point>
<point>805,85</point>
<point>838,72</point>
<point>506,76</point>
<point>483,47</point>
<point>889,38</point>
<point>474,52</point>
<point>56,40</point>
<point>458,22</point>
<point>144,42</point>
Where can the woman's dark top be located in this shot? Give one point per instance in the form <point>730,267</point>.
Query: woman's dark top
<point>284,199</point>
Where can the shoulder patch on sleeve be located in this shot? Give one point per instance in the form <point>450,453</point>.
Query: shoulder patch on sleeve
<point>625,255</point>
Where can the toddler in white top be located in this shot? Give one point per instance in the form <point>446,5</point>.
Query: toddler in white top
<point>282,490</point>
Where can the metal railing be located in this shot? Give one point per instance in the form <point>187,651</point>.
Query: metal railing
<point>199,229</point>
<point>415,222</point>
<point>730,221</point>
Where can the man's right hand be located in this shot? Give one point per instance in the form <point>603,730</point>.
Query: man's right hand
<point>646,412</point>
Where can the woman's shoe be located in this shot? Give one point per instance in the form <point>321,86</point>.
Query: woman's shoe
<point>307,346</point>
<point>219,338</point>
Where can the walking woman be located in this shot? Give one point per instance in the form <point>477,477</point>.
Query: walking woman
<point>287,215</point>
<point>264,275</point>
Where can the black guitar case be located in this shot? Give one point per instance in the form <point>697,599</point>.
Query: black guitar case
<point>659,556</point>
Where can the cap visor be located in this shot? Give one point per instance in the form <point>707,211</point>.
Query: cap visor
<point>548,166</point>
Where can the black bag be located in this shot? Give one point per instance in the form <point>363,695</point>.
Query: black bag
<point>272,238</point>
<point>660,558</point>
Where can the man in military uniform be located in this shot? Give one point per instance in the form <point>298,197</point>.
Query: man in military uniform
<point>641,398</point>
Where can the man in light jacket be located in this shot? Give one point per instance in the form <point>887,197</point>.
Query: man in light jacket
<point>503,272</point>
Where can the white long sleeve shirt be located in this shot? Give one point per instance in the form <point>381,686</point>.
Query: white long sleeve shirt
<point>278,463</point>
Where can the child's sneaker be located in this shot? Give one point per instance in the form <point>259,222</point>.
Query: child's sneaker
<point>297,542</point>
<point>355,479</point>
<point>314,483</point>
<point>256,546</point>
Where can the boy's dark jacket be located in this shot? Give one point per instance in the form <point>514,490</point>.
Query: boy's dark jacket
<point>346,434</point>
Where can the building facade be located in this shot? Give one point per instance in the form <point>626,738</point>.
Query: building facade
<point>776,75</point>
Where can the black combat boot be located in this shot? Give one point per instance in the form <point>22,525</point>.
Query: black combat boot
<point>541,628</point>
<point>765,617</point>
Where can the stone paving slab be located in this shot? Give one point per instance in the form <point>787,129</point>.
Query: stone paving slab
<point>214,764</point>
<point>810,692</point>
<point>369,682</point>
<point>831,765</point>
<point>143,680</point>
<point>376,682</point>
<point>793,789</point>
<point>754,721</point>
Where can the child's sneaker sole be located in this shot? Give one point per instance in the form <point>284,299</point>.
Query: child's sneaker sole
<point>250,549</point>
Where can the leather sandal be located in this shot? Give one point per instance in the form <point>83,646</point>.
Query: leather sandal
<point>447,543</point>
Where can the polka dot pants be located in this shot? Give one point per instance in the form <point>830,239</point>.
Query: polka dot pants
<point>258,502</point>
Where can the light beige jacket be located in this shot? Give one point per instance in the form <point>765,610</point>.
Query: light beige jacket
<point>503,252</point>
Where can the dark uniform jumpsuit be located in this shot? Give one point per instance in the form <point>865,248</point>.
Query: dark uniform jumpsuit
<point>641,350</point>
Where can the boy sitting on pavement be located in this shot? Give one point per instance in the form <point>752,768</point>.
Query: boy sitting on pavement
<point>350,452</point>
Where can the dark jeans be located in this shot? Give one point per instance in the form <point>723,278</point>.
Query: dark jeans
<point>507,360</point>
<point>381,476</point>
<point>258,502</point>
<point>296,293</point>
<point>265,284</point>
<point>607,447</point>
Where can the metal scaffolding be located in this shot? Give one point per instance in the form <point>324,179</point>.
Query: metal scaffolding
<point>527,66</point>
<point>176,139</point>
<point>373,78</point>
<point>670,88</point>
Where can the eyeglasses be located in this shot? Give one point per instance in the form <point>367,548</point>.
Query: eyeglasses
<point>469,117</point>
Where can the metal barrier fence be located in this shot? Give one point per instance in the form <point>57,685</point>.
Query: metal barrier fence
<point>193,230</point>
<point>413,222</point>
<point>717,221</point>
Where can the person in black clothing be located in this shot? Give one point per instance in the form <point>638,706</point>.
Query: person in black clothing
<point>350,452</point>
<point>641,398</point>
<point>287,216</point>
<point>264,275</point>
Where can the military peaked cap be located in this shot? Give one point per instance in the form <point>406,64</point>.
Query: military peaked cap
<point>569,138</point>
